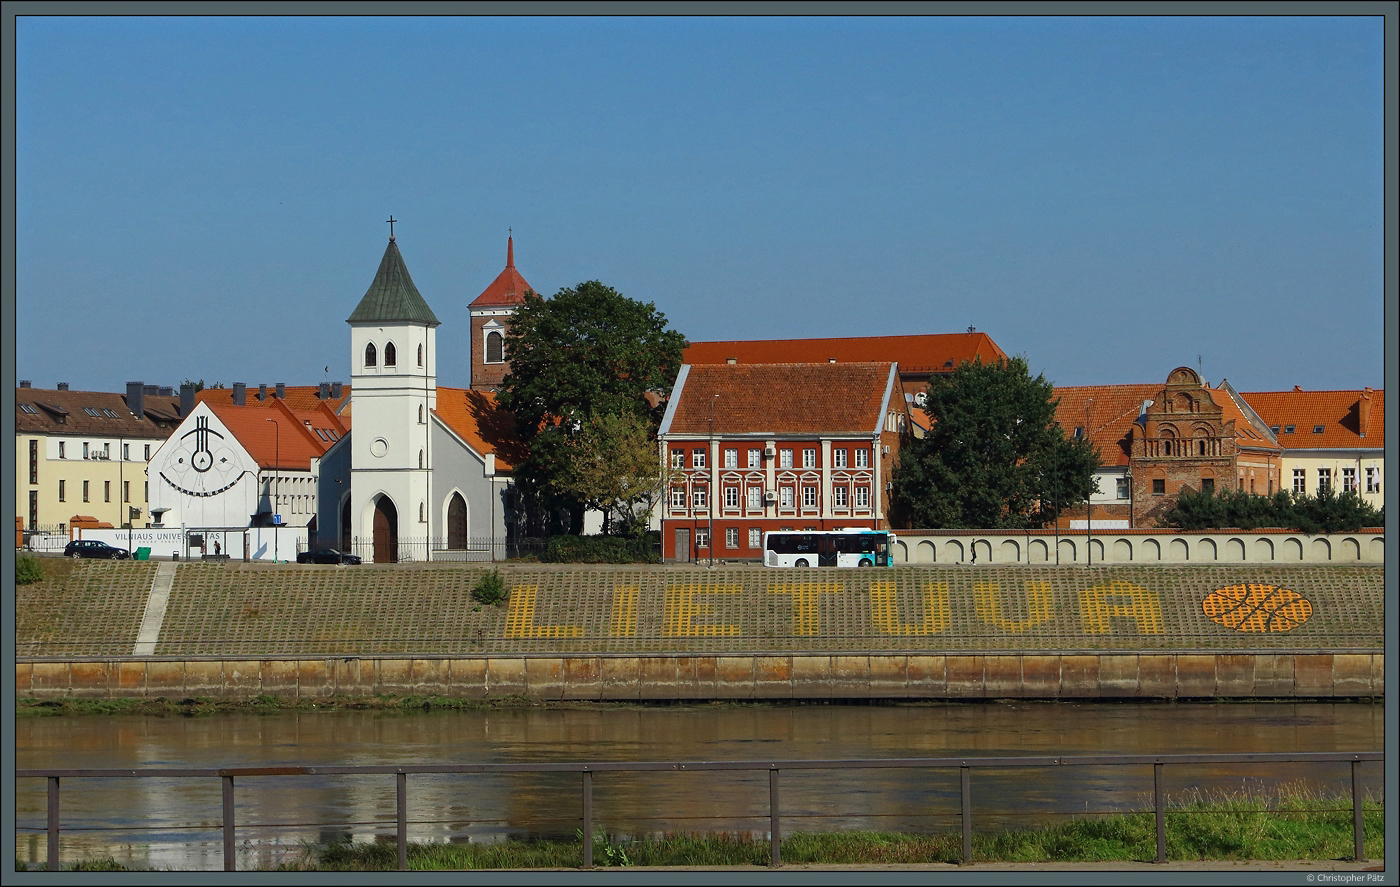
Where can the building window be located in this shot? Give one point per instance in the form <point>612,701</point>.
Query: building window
<point>1349,480</point>
<point>1122,488</point>
<point>106,451</point>
<point>85,449</point>
<point>1288,429</point>
<point>731,458</point>
<point>1317,429</point>
<point>677,497</point>
<point>862,497</point>
<point>838,497</point>
<point>1078,432</point>
<point>33,461</point>
<point>784,458</point>
<point>731,497</point>
<point>391,355</point>
<point>1324,480</point>
<point>755,457</point>
<point>785,497</point>
<point>755,498</point>
<point>495,347</point>
<point>34,510</point>
<point>809,458</point>
<point>838,458</point>
<point>1208,485</point>
<point>61,492</point>
<point>1373,480</point>
<point>148,452</point>
<point>677,459</point>
<point>420,414</point>
<point>61,450</point>
<point>106,491</point>
<point>809,497</point>
<point>697,459</point>
<point>862,458</point>
<point>1300,480</point>
<point>702,538</point>
<point>85,491</point>
<point>371,356</point>
<point>755,537</point>
<point>146,491</point>
<point>731,537</point>
<point>126,452</point>
<point>700,498</point>
<point>1159,487</point>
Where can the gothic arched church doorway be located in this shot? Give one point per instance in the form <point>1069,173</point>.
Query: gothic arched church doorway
<point>386,531</point>
<point>457,523</point>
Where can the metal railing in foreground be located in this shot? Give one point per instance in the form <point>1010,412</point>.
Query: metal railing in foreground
<point>965,766</point>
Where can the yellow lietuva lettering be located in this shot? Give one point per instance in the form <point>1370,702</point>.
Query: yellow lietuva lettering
<point>987,598</point>
<point>884,610</point>
<point>1128,601</point>
<point>681,608</point>
<point>806,614</point>
<point>520,617</point>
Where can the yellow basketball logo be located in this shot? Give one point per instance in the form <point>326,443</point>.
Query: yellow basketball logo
<point>1252,607</point>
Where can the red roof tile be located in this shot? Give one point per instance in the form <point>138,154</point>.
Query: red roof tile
<point>474,417</point>
<point>509,288</point>
<point>805,398</point>
<point>280,438</point>
<point>1112,409</point>
<point>298,397</point>
<point>1341,415</point>
<point>916,355</point>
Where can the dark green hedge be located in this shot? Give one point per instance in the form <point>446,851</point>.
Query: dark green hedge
<point>1325,513</point>
<point>645,549</point>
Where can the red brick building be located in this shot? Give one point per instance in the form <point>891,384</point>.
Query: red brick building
<point>1156,440</point>
<point>490,316</point>
<point>755,447</point>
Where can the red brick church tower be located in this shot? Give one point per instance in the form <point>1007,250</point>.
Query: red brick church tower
<point>490,316</point>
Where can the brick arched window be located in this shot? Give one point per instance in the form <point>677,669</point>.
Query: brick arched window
<point>495,347</point>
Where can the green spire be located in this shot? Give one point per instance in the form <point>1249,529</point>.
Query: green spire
<point>392,297</point>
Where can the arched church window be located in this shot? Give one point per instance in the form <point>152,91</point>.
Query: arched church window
<point>422,513</point>
<point>390,355</point>
<point>495,347</point>
<point>420,414</point>
<point>420,355</point>
<point>420,458</point>
<point>371,356</point>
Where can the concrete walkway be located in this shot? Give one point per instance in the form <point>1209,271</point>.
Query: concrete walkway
<point>154,616</point>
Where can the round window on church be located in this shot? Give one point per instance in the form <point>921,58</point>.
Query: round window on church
<point>379,446</point>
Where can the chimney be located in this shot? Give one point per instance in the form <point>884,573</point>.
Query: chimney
<point>281,390</point>
<point>152,390</point>
<point>134,391</point>
<point>731,360</point>
<point>324,391</point>
<point>186,399</point>
<point>24,383</point>
<point>262,391</point>
<point>165,391</point>
<point>335,390</point>
<point>1363,412</point>
<point>62,386</point>
<point>240,394</point>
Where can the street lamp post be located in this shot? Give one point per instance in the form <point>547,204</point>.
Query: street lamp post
<point>1089,499</point>
<point>276,479</point>
<point>713,456</point>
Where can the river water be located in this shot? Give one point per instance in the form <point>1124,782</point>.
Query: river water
<point>174,823</point>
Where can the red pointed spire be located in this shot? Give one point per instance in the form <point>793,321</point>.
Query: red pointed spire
<point>510,251</point>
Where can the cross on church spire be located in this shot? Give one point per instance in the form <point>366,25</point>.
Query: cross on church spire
<point>391,227</point>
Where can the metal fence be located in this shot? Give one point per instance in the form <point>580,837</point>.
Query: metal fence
<point>586,770</point>
<point>437,550</point>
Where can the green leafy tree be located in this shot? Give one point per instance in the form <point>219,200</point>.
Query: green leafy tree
<point>613,466</point>
<point>587,352</point>
<point>995,457</point>
<point>1327,512</point>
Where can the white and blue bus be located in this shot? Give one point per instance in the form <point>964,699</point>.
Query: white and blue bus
<point>848,547</point>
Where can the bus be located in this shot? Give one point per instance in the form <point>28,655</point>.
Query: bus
<point>846,547</point>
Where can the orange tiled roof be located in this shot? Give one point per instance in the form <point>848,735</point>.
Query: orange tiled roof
<point>1340,414</point>
<point>1112,409</point>
<point>801,398</point>
<point>474,417</point>
<point>509,288</point>
<point>289,444</point>
<point>916,355</point>
<point>298,397</point>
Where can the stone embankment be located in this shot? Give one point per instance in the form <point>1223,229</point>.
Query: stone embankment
<point>114,629</point>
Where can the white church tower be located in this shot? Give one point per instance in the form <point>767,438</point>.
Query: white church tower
<point>393,377</point>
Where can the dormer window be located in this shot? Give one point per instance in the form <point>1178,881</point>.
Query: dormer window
<point>1317,429</point>
<point>390,355</point>
<point>1288,429</point>
<point>371,356</point>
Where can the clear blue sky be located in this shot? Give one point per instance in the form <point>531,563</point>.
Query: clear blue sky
<point>1110,197</point>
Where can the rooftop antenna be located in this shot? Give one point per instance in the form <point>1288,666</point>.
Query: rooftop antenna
<point>1200,370</point>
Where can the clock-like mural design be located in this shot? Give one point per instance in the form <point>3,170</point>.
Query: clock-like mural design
<point>202,465</point>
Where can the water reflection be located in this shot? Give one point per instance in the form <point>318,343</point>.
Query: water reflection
<point>174,823</point>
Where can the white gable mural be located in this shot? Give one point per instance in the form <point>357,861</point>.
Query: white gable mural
<point>202,476</point>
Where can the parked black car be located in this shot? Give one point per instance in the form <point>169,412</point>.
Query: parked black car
<point>92,548</point>
<point>327,556</point>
